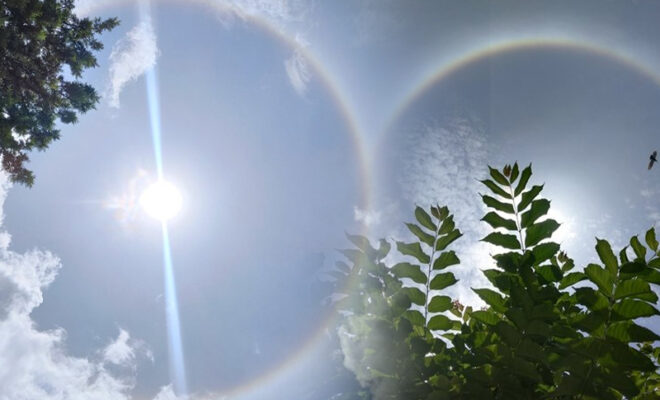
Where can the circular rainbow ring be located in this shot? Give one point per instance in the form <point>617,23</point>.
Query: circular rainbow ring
<point>442,68</point>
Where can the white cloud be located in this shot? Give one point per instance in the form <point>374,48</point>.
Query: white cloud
<point>124,350</point>
<point>34,363</point>
<point>131,57</point>
<point>298,72</point>
<point>367,217</point>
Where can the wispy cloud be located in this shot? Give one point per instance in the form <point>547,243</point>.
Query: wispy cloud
<point>132,56</point>
<point>124,350</point>
<point>298,72</point>
<point>367,217</point>
<point>443,161</point>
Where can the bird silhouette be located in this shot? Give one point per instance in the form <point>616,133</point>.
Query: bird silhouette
<point>653,159</point>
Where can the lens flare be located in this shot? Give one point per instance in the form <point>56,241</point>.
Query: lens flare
<point>161,200</point>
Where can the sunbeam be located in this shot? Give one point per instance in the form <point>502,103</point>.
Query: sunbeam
<point>177,365</point>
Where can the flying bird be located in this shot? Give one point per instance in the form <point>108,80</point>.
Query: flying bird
<point>653,159</point>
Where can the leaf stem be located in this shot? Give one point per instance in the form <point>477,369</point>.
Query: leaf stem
<point>515,211</point>
<point>430,269</point>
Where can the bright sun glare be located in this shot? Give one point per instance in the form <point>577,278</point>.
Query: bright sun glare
<point>161,200</point>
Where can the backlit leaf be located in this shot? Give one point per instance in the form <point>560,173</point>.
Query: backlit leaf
<point>414,250</point>
<point>496,221</point>
<point>440,304</point>
<point>421,235</point>
<point>497,175</point>
<point>445,259</point>
<point>606,255</point>
<point>600,277</point>
<point>524,178</point>
<point>412,271</point>
<point>538,209</point>
<point>631,309</point>
<point>425,219</point>
<point>440,323</point>
<point>442,280</point>
<point>528,196</point>
<point>540,231</point>
<point>651,240</point>
<point>492,298</point>
<point>495,188</point>
<point>496,204</point>
<point>503,240</point>
<point>638,248</point>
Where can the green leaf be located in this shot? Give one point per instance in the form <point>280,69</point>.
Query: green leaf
<point>524,178</point>
<point>499,178</point>
<point>487,317</point>
<point>514,173</point>
<point>445,259</point>
<point>654,263</point>
<point>425,219</point>
<point>447,225</point>
<point>413,250</point>
<point>528,196</point>
<point>412,271</point>
<point>638,248</point>
<point>415,317</point>
<point>508,333</point>
<point>631,309</point>
<point>423,236</point>
<point>496,189</point>
<point>593,299</point>
<point>627,357</point>
<point>606,255</point>
<point>571,279</point>
<point>496,204</point>
<point>415,295</point>
<point>503,240</point>
<point>635,288</point>
<point>444,241</point>
<point>623,255</point>
<point>600,277</point>
<point>544,251</point>
<point>651,240</point>
<point>538,209</point>
<point>492,298</point>
<point>442,280</point>
<point>551,273</point>
<point>628,331</point>
<point>440,323</point>
<point>496,221</point>
<point>440,304</point>
<point>540,231</point>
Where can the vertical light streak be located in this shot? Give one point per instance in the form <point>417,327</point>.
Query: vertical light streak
<point>177,365</point>
<point>154,118</point>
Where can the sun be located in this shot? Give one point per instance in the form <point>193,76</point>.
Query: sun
<point>162,200</point>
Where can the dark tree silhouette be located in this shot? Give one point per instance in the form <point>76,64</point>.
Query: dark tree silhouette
<point>42,44</point>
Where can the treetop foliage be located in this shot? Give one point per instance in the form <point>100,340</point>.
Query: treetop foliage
<point>38,39</point>
<point>550,330</point>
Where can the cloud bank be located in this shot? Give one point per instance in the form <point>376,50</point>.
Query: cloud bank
<point>131,57</point>
<point>34,363</point>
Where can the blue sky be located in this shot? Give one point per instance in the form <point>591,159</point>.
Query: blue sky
<point>285,124</point>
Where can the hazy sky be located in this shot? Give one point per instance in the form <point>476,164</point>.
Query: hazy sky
<point>285,124</point>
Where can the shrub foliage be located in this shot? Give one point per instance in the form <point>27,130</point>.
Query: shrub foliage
<point>549,331</point>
